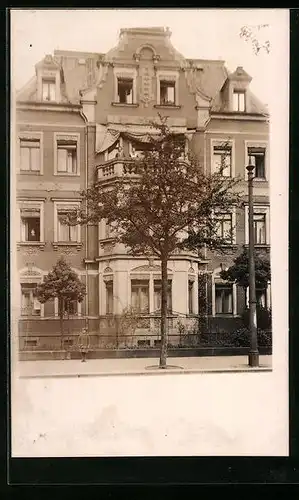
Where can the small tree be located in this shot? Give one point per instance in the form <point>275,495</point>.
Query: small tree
<point>239,272</point>
<point>64,284</point>
<point>164,202</point>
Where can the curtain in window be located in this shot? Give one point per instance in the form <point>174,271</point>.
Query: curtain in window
<point>66,232</point>
<point>109,297</point>
<point>62,160</point>
<point>140,296</point>
<point>223,299</point>
<point>67,158</point>
<point>259,223</point>
<point>29,155</point>
<point>158,296</point>
<point>30,306</point>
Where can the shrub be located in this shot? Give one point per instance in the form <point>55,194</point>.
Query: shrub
<point>241,338</point>
<point>263,318</point>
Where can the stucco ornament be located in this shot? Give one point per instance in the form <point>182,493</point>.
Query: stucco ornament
<point>146,89</point>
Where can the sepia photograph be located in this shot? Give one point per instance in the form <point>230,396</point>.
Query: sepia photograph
<point>149,194</point>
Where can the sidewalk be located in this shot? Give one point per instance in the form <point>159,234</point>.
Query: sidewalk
<point>138,366</point>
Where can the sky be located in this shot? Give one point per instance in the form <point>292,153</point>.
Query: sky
<point>196,33</point>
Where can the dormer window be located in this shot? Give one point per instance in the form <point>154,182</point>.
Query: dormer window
<point>239,101</point>
<point>48,89</point>
<point>125,90</point>
<point>167,93</point>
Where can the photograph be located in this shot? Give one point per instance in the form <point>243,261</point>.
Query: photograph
<point>148,219</point>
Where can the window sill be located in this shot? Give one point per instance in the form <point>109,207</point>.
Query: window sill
<point>30,172</point>
<point>76,244</point>
<point>167,106</point>
<point>65,174</point>
<point>224,315</point>
<point>40,244</point>
<point>259,245</point>
<point>30,316</point>
<point>125,105</point>
<point>107,240</point>
<point>260,179</point>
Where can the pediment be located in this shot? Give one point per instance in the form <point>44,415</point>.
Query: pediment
<point>240,74</point>
<point>149,268</point>
<point>154,42</point>
<point>48,62</point>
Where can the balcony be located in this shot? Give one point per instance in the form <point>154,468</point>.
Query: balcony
<point>118,167</point>
<point>115,168</point>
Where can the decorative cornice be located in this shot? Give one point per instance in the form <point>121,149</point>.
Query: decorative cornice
<point>41,106</point>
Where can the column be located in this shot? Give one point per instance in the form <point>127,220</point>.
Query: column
<point>151,294</point>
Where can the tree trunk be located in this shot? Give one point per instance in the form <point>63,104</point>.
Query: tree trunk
<point>164,287</point>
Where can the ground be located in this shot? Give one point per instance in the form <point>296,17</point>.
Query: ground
<point>137,365</point>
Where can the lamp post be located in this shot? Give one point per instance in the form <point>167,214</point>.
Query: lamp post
<point>253,357</point>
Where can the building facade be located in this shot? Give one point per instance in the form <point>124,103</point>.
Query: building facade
<point>81,118</point>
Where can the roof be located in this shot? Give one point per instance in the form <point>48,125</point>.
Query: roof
<point>80,70</point>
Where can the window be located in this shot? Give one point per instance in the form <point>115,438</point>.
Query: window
<point>222,160</point>
<point>140,296</point>
<point>259,228</point>
<point>30,224</point>
<point>109,297</point>
<point>30,155</point>
<point>158,295</point>
<point>223,299</point>
<point>114,151</point>
<point>29,343</point>
<point>137,150</point>
<point>167,92</point>
<point>261,298</point>
<point>239,101</point>
<point>190,297</point>
<point>125,90</point>
<point>66,157</point>
<point>224,226</point>
<point>48,89</point>
<point>261,225</point>
<point>70,307</point>
<point>29,304</point>
<point>257,157</point>
<point>65,232</point>
<point>143,343</point>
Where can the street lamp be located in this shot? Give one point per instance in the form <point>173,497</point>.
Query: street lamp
<point>253,357</point>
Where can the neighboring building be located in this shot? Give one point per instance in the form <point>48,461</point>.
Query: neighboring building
<point>81,118</point>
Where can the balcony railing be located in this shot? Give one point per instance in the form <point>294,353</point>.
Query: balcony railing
<point>115,168</point>
<point>118,167</point>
